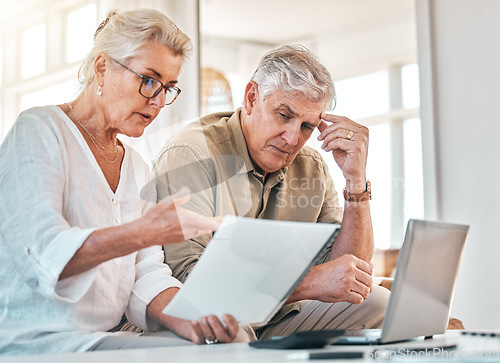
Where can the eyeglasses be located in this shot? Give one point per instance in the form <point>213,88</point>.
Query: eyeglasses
<point>150,87</point>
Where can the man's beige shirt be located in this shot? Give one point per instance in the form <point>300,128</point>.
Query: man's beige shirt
<point>210,157</point>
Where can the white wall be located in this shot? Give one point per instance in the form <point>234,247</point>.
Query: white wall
<point>368,48</point>
<point>459,57</point>
<point>346,52</point>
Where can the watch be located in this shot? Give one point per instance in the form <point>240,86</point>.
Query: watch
<point>359,197</point>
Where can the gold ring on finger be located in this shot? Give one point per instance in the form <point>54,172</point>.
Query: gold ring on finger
<point>349,135</point>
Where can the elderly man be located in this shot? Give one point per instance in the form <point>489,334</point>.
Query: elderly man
<point>254,163</point>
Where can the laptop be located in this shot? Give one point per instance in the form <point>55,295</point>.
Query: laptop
<point>249,268</point>
<point>423,287</point>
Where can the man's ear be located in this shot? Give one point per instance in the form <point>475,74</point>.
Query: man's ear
<point>251,96</point>
<point>100,66</point>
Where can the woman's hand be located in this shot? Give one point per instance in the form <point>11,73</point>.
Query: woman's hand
<point>209,330</point>
<point>167,222</point>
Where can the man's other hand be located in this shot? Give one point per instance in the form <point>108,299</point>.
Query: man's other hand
<point>346,278</point>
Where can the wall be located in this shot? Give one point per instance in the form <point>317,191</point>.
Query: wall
<point>459,57</point>
<point>346,52</point>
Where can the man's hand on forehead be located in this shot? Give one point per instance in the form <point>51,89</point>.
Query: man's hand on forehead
<point>348,142</point>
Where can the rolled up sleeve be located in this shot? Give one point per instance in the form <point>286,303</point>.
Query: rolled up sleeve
<point>37,237</point>
<point>152,277</point>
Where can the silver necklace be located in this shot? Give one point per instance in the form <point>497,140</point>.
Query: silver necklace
<point>96,143</point>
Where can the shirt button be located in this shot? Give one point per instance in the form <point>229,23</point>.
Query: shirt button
<point>115,202</point>
<point>118,220</point>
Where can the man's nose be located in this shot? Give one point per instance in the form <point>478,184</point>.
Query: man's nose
<point>292,133</point>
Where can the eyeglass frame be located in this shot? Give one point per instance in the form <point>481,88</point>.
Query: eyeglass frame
<point>143,80</point>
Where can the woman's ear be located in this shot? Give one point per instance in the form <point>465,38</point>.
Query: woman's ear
<point>100,66</point>
<point>251,96</point>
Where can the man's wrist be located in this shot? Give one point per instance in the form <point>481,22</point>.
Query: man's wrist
<point>356,184</point>
<point>364,195</point>
<point>304,289</point>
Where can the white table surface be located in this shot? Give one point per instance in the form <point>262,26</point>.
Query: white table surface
<point>467,347</point>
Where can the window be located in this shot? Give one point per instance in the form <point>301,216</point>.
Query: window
<point>46,43</point>
<point>1,79</point>
<point>81,25</point>
<point>53,95</point>
<point>363,96</point>
<point>411,89</point>
<point>33,51</point>
<point>379,172</point>
<point>413,170</point>
<point>397,180</point>
<point>1,64</point>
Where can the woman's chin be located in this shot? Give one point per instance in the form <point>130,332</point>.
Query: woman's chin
<point>134,133</point>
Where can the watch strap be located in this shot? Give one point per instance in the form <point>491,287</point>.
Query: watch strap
<point>359,197</point>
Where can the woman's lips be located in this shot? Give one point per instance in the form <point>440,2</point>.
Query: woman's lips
<point>146,118</point>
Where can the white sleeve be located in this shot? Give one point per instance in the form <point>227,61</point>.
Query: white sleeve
<point>37,237</point>
<point>152,277</point>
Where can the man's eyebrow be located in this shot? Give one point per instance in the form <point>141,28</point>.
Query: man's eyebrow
<point>288,109</point>
<point>292,112</point>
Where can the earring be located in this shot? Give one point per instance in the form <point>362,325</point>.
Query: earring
<point>99,92</point>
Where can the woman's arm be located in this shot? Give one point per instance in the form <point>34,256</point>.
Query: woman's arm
<point>164,223</point>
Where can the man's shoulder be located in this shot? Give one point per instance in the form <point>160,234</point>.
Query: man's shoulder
<point>309,154</point>
<point>308,163</point>
<point>203,135</point>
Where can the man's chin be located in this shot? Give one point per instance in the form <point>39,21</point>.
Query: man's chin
<point>272,167</point>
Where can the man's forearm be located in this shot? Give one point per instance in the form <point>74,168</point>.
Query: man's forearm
<point>356,236</point>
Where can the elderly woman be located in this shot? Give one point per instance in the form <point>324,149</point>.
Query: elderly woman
<point>80,233</point>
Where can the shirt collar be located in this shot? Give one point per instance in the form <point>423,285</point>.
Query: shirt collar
<point>239,144</point>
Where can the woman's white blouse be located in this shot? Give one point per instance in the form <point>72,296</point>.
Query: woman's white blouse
<point>53,195</point>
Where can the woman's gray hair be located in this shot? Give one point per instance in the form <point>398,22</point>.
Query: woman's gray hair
<point>293,68</point>
<point>122,34</point>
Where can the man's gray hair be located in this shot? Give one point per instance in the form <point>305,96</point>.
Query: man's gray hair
<point>122,35</point>
<point>293,68</point>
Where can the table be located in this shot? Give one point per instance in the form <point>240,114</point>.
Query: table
<point>468,348</point>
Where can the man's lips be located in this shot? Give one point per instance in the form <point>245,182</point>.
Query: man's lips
<point>280,150</point>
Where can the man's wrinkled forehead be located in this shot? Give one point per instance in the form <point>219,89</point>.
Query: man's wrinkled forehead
<point>298,105</point>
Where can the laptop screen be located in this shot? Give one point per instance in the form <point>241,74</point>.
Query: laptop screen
<point>425,280</point>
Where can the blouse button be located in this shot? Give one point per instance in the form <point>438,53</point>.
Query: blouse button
<point>115,202</point>
<point>118,220</point>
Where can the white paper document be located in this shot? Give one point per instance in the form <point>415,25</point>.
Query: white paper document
<point>249,269</point>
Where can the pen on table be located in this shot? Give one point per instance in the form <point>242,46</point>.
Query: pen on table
<point>325,355</point>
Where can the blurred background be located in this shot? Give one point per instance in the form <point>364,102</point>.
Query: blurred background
<point>368,46</point>
<point>382,54</point>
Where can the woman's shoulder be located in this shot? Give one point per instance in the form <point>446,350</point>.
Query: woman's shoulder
<point>49,111</point>
<point>41,117</point>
